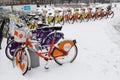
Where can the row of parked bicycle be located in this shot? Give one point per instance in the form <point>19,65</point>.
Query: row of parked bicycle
<point>48,42</point>
<point>61,16</point>
<point>53,16</point>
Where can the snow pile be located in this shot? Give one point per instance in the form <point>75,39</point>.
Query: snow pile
<point>113,28</point>
<point>98,56</point>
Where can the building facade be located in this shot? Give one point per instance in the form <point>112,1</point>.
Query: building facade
<point>15,2</point>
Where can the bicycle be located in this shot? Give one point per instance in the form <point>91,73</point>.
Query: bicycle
<point>59,17</point>
<point>68,16</point>
<point>90,14</point>
<point>84,16</point>
<point>109,13</point>
<point>51,19</point>
<point>39,34</point>
<point>97,15</point>
<point>103,14</point>
<point>59,53</point>
<point>76,16</point>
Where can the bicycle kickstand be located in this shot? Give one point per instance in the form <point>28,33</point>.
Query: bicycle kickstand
<point>46,65</point>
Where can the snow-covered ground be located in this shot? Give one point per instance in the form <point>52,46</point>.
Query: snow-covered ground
<point>98,55</point>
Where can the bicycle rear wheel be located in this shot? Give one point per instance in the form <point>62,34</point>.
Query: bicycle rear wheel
<point>21,60</point>
<point>72,54</point>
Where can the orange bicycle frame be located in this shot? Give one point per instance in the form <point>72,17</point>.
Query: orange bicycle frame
<point>76,16</point>
<point>28,43</point>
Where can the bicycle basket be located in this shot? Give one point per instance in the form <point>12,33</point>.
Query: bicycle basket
<point>20,35</point>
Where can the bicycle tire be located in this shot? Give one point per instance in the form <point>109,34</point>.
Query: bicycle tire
<point>8,54</point>
<point>18,60</point>
<point>56,59</point>
<point>8,40</point>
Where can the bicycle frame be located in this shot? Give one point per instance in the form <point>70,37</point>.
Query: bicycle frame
<point>53,53</point>
<point>76,16</point>
<point>29,44</point>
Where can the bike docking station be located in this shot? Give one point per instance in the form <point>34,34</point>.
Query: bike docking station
<point>34,59</point>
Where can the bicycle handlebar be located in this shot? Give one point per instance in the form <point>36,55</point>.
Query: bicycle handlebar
<point>19,26</point>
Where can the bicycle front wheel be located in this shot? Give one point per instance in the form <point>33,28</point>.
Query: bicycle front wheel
<point>21,60</point>
<point>10,49</point>
<point>72,54</point>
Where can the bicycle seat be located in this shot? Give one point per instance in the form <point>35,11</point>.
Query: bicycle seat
<point>77,9</point>
<point>102,9</point>
<point>90,8</point>
<point>57,28</point>
<point>69,10</point>
<point>40,26</point>
<point>53,28</point>
<point>50,13</point>
<point>59,11</point>
<point>96,8</point>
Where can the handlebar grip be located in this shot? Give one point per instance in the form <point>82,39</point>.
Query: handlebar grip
<point>19,26</point>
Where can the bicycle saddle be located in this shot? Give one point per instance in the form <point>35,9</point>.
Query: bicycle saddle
<point>90,8</point>
<point>50,13</point>
<point>53,28</point>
